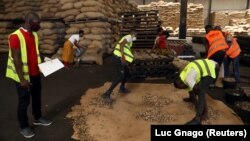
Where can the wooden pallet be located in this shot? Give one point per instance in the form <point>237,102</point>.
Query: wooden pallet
<point>86,20</point>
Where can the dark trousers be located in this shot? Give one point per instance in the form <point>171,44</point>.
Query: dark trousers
<point>123,74</point>
<point>218,57</point>
<point>24,94</point>
<point>236,67</point>
<point>203,87</point>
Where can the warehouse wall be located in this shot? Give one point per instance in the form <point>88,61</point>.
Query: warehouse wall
<point>217,5</point>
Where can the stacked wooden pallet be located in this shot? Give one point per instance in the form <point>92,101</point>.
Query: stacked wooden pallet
<point>152,63</point>
<point>144,22</point>
<point>181,47</point>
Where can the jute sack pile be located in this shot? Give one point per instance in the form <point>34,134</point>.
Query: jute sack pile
<point>5,29</point>
<point>49,8</point>
<point>51,36</point>
<point>17,9</point>
<point>169,14</point>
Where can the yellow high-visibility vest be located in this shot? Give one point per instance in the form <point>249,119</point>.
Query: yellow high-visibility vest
<point>11,70</point>
<point>127,49</point>
<point>203,67</point>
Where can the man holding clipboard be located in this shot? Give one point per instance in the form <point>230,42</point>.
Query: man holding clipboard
<point>22,68</point>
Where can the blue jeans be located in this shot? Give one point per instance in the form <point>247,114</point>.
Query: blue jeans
<point>236,67</point>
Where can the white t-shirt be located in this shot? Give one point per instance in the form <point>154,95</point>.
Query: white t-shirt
<point>74,37</point>
<point>191,76</point>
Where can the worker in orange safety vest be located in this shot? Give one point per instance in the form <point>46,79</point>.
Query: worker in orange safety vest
<point>232,55</point>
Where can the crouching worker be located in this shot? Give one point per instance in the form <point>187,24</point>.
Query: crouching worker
<point>68,51</point>
<point>197,77</point>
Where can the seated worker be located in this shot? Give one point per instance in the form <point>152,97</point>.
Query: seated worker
<point>196,77</point>
<point>68,51</point>
<point>161,40</point>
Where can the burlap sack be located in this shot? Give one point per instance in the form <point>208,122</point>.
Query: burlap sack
<point>91,9</point>
<point>69,18</point>
<point>4,31</point>
<point>44,51</point>
<point>98,24</point>
<point>49,41</point>
<point>96,30</point>
<point>72,12</point>
<point>47,32</point>
<point>72,30</point>
<point>67,6</point>
<point>67,1</point>
<point>78,25</point>
<point>3,50</point>
<point>88,3</point>
<point>179,63</point>
<point>47,47</point>
<point>96,44</point>
<point>94,15</point>
<point>78,5</point>
<point>86,30</point>
<point>85,43</point>
<point>93,37</point>
<point>5,24</point>
<point>93,55</point>
<point>58,14</point>
<point>67,36</point>
<point>60,25</point>
<point>52,37</point>
<point>80,16</point>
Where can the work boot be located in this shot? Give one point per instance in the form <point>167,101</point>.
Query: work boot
<point>194,121</point>
<point>106,97</point>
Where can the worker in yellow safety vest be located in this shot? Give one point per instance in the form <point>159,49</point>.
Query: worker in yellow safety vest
<point>123,54</point>
<point>197,76</point>
<point>22,68</point>
<point>232,55</point>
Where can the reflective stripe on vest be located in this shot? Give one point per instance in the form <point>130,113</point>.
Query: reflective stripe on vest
<point>216,42</point>
<point>234,50</point>
<point>203,67</point>
<point>126,50</point>
<point>11,70</point>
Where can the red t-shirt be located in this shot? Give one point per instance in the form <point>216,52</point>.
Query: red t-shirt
<point>162,42</point>
<point>31,50</point>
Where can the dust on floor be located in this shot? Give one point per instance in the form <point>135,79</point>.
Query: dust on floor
<point>130,115</point>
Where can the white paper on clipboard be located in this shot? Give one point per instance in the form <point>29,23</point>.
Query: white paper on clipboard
<point>50,67</point>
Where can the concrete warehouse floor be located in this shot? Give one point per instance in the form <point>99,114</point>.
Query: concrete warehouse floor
<point>61,91</point>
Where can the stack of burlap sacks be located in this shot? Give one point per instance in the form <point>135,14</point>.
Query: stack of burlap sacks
<point>82,9</point>
<point>235,22</point>
<point>49,8</point>
<point>1,6</point>
<point>16,9</point>
<point>51,36</point>
<point>52,32</point>
<point>95,14</point>
<point>169,14</point>
<point>5,29</point>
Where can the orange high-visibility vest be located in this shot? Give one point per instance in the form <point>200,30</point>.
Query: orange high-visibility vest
<point>216,42</point>
<point>234,50</point>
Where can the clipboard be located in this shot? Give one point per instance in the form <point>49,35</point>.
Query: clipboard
<point>50,67</point>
